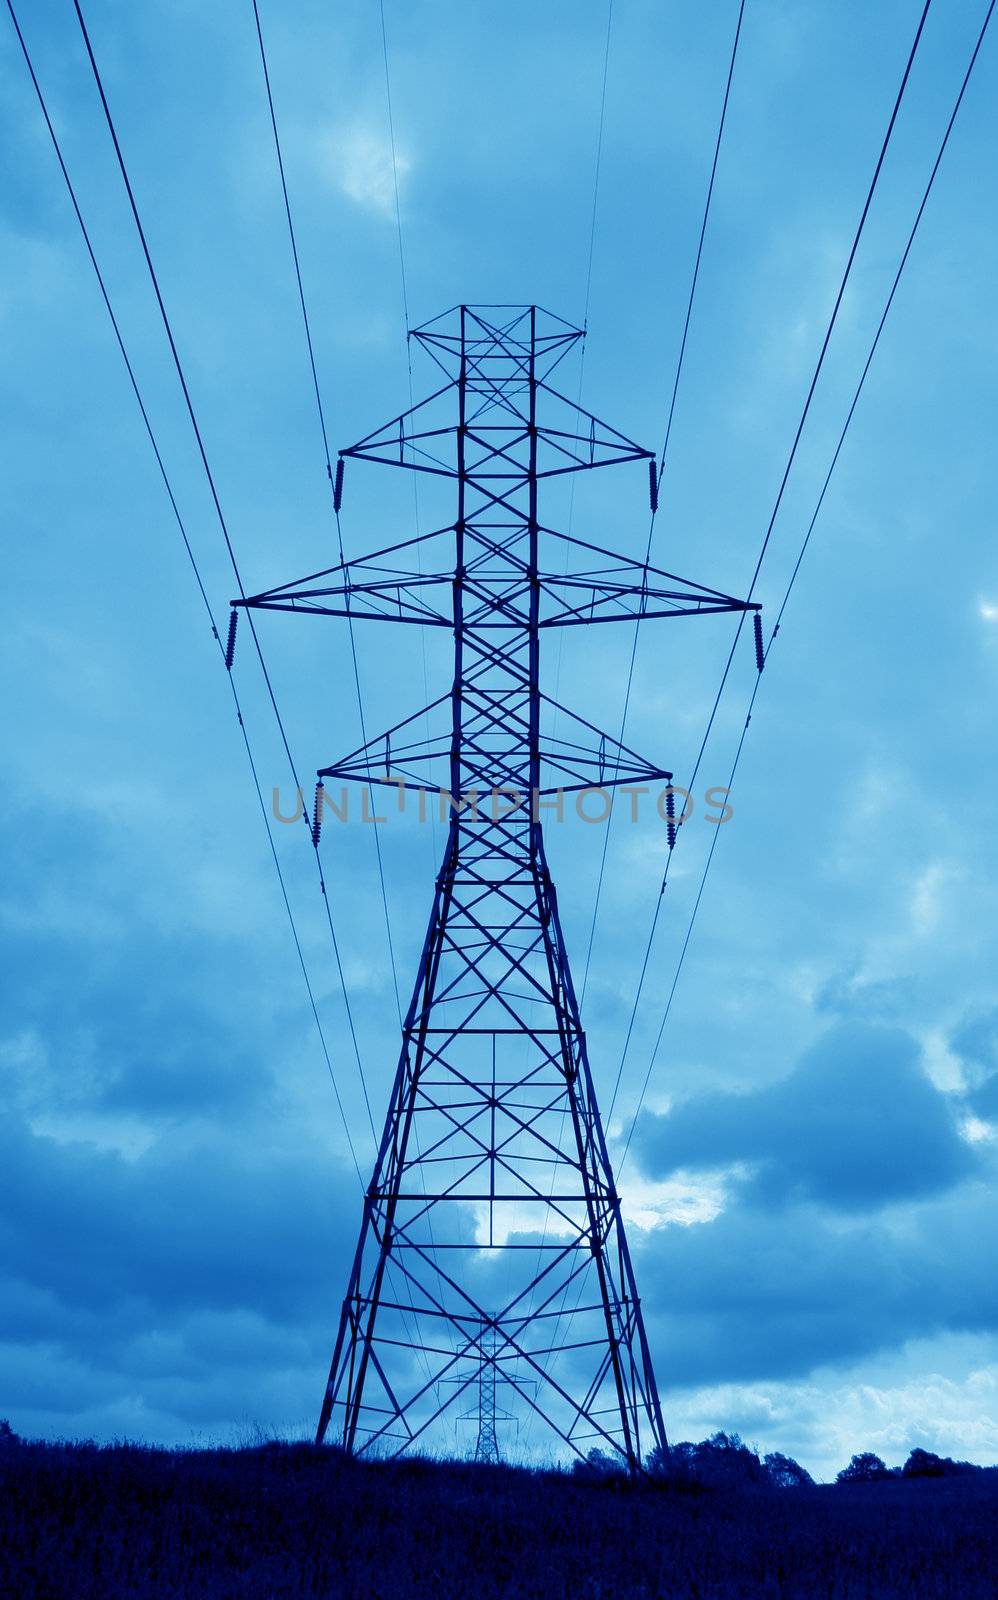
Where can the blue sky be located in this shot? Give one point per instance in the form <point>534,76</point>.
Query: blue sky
<point>812,1184</point>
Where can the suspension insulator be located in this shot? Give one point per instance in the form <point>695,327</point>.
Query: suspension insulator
<point>760,654</point>
<point>317,813</point>
<point>230,643</point>
<point>338,485</point>
<point>670,813</point>
<point>653,484</point>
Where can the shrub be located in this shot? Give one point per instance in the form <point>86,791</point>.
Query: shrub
<point>599,1467</point>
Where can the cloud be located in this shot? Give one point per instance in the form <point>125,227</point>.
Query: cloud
<point>988,611</point>
<point>188,1224</point>
<point>119,1025</point>
<point>185,1288</point>
<point>975,1044</point>
<point>976,1041</point>
<point>927,897</point>
<point>759,1294</point>
<point>822,1423</point>
<point>853,995</point>
<point>856,1125</point>
<point>110,1009</point>
<point>360,163</point>
<point>984,1099</point>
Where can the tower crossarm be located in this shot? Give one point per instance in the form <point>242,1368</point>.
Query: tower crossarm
<point>493,451</point>
<point>496,590</point>
<point>582,756</point>
<point>407,598</point>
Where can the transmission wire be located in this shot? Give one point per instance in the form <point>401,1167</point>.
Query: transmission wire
<point>772,520</point>
<point>408,352</point>
<point>597,167</point>
<point>350,625</point>
<point>221,520</point>
<point>660,475</point>
<point>194,567</point>
<point>599,162</point>
<point>801,554</point>
<point>329,475</point>
<point>585,323</point>
<point>658,902</point>
<point>651,530</point>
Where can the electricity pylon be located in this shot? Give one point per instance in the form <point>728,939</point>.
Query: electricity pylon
<point>491,1235</point>
<point>487,1444</point>
<point>484,1411</point>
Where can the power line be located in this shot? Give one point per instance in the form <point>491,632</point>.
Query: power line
<point>775,512</point>
<point>221,518</point>
<point>597,167</point>
<point>408,353</point>
<point>194,567</point>
<point>803,550</point>
<point>661,469</point>
<point>336,511</point>
<point>294,243</point>
<point>329,475</point>
<point>599,161</point>
<point>659,898</point>
<point>415,483</point>
<point>651,528</point>
<point>395,170</point>
<point>339,536</point>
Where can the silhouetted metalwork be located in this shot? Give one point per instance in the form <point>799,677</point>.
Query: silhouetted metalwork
<point>487,1444</point>
<point>491,1246</point>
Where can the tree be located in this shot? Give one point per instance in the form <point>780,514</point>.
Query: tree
<point>925,1464</point>
<point>864,1468</point>
<point>785,1472</point>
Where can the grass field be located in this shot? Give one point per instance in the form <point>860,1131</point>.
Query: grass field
<point>81,1522</point>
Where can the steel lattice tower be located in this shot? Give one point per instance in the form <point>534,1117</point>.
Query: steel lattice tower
<point>487,1445</point>
<point>484,1413</point>
<point>492,1220</point>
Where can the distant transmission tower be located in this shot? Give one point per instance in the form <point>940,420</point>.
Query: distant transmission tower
<point>491,1245</point>
<point>487,1444</point>
<point>484,1411</point>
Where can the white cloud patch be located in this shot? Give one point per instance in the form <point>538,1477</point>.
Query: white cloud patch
<point>988,611</point>
<point>942,1064</point>
<point>927,898</point>
<point>822,1426</point>
<point>359,162</point>
<point>684,1198</point>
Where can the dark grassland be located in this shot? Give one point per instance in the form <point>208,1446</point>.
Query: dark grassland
<point>79,1522</point>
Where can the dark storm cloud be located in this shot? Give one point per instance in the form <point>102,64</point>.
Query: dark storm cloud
<point>195,1284</point>
<point>773,1294</point>
<point>209,1226</point>
<point>855,1125</point>
<point>133,1018</point>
